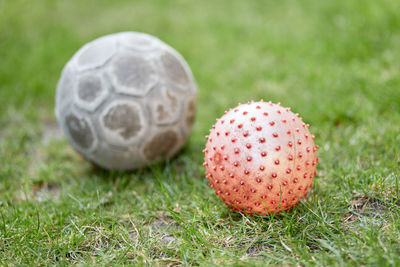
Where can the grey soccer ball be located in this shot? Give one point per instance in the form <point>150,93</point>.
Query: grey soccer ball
<point>126,100</point>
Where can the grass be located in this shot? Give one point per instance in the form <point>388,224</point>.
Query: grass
<point>335,62</point>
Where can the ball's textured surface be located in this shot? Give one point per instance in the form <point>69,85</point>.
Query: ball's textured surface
<point>260,158</point>
<point>125,100</point>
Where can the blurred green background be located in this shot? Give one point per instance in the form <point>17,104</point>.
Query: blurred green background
<point>335,62</point>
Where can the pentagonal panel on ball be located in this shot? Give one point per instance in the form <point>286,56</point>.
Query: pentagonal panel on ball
<point>79,131</point>
<point>138,41</point>
<point>165,105</point>
<point>90,91</point>
<point>175,69</point>
<point>95,53</point>
<point>133,74</point>
<point>162,145</point>
<point>122,122</point>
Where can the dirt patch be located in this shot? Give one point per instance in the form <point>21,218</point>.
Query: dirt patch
<point>312,247</point>
<point>168,239</point>
<point>133,234</point>
<point>50,131</point>
<point>40,192</point>
<point>45,191</point>
<point>366,206</point>
<point>74,256</point>
<point>163,229</point>
<point>257,249</point>
<point>165,224</point>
